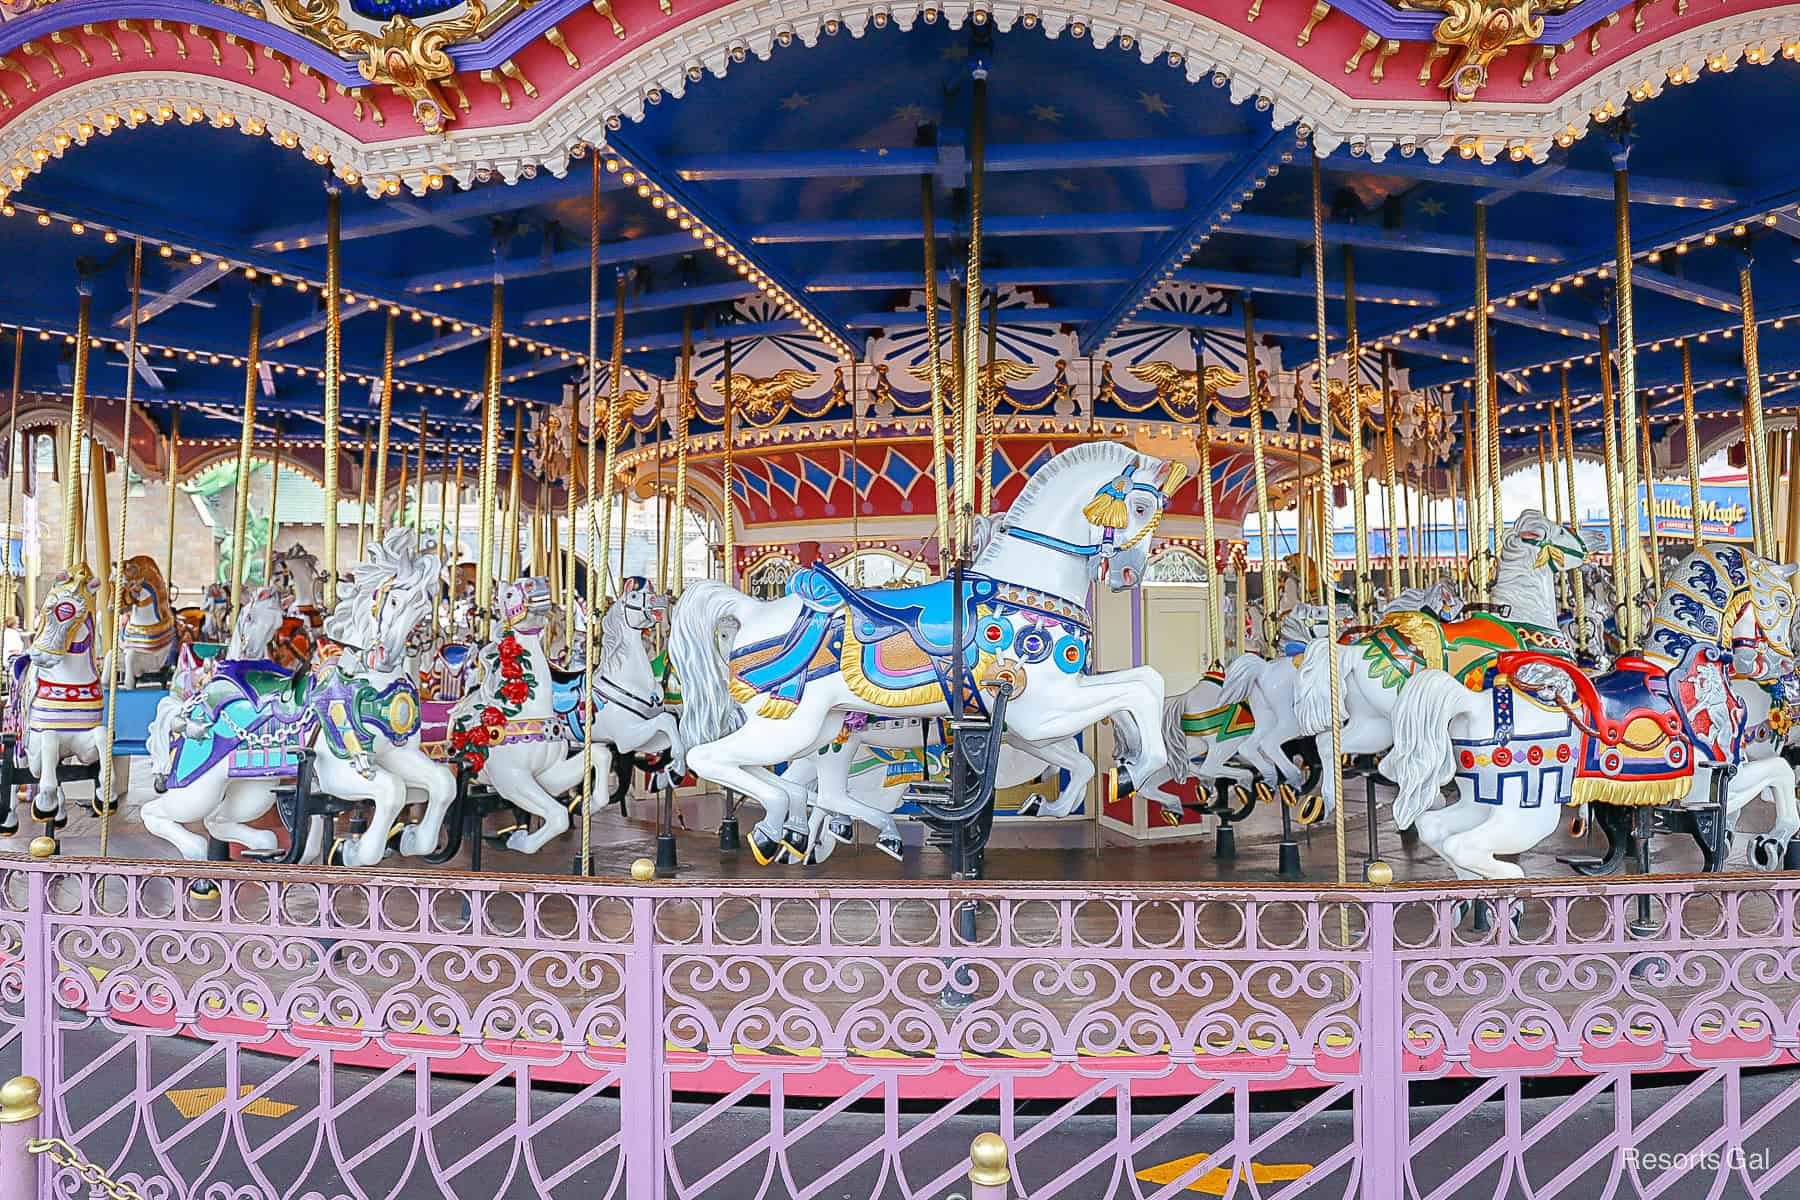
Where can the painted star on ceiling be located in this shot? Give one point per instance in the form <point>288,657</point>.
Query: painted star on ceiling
<point>852,184</point>
<point>1431,207</point>
<point>910,114</point>
<point>1046,112</point>
<point>795,102</point>
<point>1153,103</point>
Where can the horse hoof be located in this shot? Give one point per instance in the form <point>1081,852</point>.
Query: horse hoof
<point>796,842</point>
<point>1170,816</point>
<point>102,808</point>
<point>1123,785</point>
<point>889,844</point>
<point>1031,806</point>
<point>519,841</point>
<point>203,889</point>
<point>763,847</point>
<point>1766,854</point>
<point>334,857</point>
<point>842,829</point>
<point>159,784</point>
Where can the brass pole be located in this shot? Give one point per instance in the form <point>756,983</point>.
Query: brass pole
<point>595,569</point>
<point>1627,390</point>
<point>1271,564</point>
<point>1413,566</point>
<point>74,522</point>
<point>1758,454</point>
<point>935,366</point>
<point>969,393</point>
<point>677,526</point>
<point>456,552</point>
<point>490,455</point>
<point>246,446</point>
<point>1615,491</point>
<point>1327,564</point>
<point>105,792</point>
<point>362,492</point>
<point>514,482</point>
<point>382,435</point>
<point>1471,511</point>
<point>1543,475</point>
<point>169,477</point>
<point>1690,435</point>
<point>334,350</point>
<point>1387,478</point>
<point>15,459</point>
<point>418,518</point>
<point>1568,417</point>
<point>1655,572</point>
<point>443,531</point>
<point>990,403</point>
<point>856,460</point>
<point>1482,531</point>
<point>1496,513</point>
<point>730,500</point>
<point>274,499</point>
<point>1791,552</point>
<point>399,503</point>
<point>1215,578</point>
<point>1354,427</point>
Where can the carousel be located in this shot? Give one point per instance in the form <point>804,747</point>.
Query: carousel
<point>1004,563</point>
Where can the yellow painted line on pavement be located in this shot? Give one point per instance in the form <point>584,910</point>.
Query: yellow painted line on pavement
<point>197,1102</point>
<point>1218,1180</point>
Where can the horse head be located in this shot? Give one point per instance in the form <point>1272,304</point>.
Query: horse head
<point>66,618</point>
<point>1545,542</point>
<point>644,606</point>
<point>525,604</point>
<point>257,623</point>
<point>143,581</point>
<point>1769,653</point>
<point>385,599</point>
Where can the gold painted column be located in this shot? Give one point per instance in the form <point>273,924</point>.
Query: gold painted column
<point>1628,398</point>
<point>1757,452</point>
<point>1615,486</point>
<point>674,532</point>
<point>1327,561</point>
<point>489,468</point>
<point>1358,469</point>
<point>1387,478</point>
<point>1568,420</point>
<point>382,432</point>
<point>170,495</point>
<point>1691,435</point>
<point>1265,533</point>
<point>1482,527</point>
<point>515,516</point>
<point>74,522</point>
<point>334,362</point>
<point>240,516</point>
<point>969,390</point>
<point>729,503</point>
<point>934,364</point>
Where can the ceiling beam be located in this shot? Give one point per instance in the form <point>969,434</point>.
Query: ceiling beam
<point>612,254</point>
<point>1587,185</point>
<point>1302,285</point>
<point>887,281</point>
<point>187,284</point>
<point>390,217</point>
<point>1262,160</point>
<point>1648,277</point>
<point>1547,322</point>
<point>926,160</point>
<point>910,230</point>
<point>1374,237</point>
<point>667,298</point>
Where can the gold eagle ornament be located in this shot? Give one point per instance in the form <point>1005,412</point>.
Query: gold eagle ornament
<point>994,378</point>
<point>765,399</point>
<point>1182,391</point>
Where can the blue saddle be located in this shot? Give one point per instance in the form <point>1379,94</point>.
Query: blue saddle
<point>565,701</point>
<point>925,612</point>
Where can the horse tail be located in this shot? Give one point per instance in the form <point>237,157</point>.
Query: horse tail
<point>1312,698</point>
<point>1239,677</point>
<point>708,711</point>
<point>1175,740</point>
<point>1421,761</point>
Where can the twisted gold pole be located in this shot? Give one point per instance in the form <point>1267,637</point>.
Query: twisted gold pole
<point>246,446</point>
<point>1691,436</point>
<point>334,360</point>
<point>456,552</point>
<point>1271,565</point>
<point>1655,571</point>
<point>1327,565</point>
<point>74,520</point>
<point>382,434</point>
<point>1481,521</point>
<point>1791,547</point>
<point>489,469</point>
<point>515,515</point>
<point>1470,522</point>
<point>1496,513</point>
<point>730,500</point>
<point>418,517</point>
<point>1758,452</point>
<point>1615,492</point>
<point>677,530</point>
<point>170,474</point>
<point>15,459</point>
<point>1387,478</point>
<point>596,563</point>
<point>990,403</point>
<point>933,361</point>
<point>1215,576</point>
<point>1568,417</point>
<point>1634,573</point>
<point>362,492</point>
<point>274,501</point>
<point>969,392</point>
<point>105,797</point>
<point>1358,481</point>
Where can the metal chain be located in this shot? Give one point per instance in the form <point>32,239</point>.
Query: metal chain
<point>69,1158</point>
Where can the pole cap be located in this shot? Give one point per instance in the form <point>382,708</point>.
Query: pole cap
<point>987,1161</point>
<point>643,870</point>
<point>43,846</point>
<point>1380,874</point>
<point>20,1100</point>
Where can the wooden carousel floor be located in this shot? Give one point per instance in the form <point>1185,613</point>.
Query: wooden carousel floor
<point>1061,851</point>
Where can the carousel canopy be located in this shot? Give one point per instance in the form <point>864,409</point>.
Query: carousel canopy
<point>1131,202</point>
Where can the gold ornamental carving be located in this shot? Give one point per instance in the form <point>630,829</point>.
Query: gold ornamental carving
<point>412,59</point>
<point>1185,391</point>
<point>1478,32</point>
<point>766,399</point>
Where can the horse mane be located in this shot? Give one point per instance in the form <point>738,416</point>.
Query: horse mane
<point>401,557</point>
<point>1085,454</point>
<point>614,635</point>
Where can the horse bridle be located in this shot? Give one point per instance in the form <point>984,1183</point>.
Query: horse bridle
<point>1104,548</point>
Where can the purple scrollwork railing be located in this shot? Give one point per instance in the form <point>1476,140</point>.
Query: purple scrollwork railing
<point>319,1034</point>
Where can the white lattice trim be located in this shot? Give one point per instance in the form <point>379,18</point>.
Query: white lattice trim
<point>1202,49</point>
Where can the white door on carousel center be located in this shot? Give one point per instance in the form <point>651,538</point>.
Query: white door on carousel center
<point>1177,628</point>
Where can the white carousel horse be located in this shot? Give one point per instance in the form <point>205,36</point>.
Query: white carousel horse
<point>58,706</point>
<point>1373,667</point>
<point>1200,732</point>
<point>149,638</point>
<point>296,573</point>
<point>630,713</point>
<point>864,776</point>
<point>766,682</point>
<point>1440,599</point>
<point>257,624</point>
<point>1653,730</point>
<point>235,741</point>
<point>506,727</point>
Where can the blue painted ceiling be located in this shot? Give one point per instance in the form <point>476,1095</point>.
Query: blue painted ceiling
<point>812,161</point>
